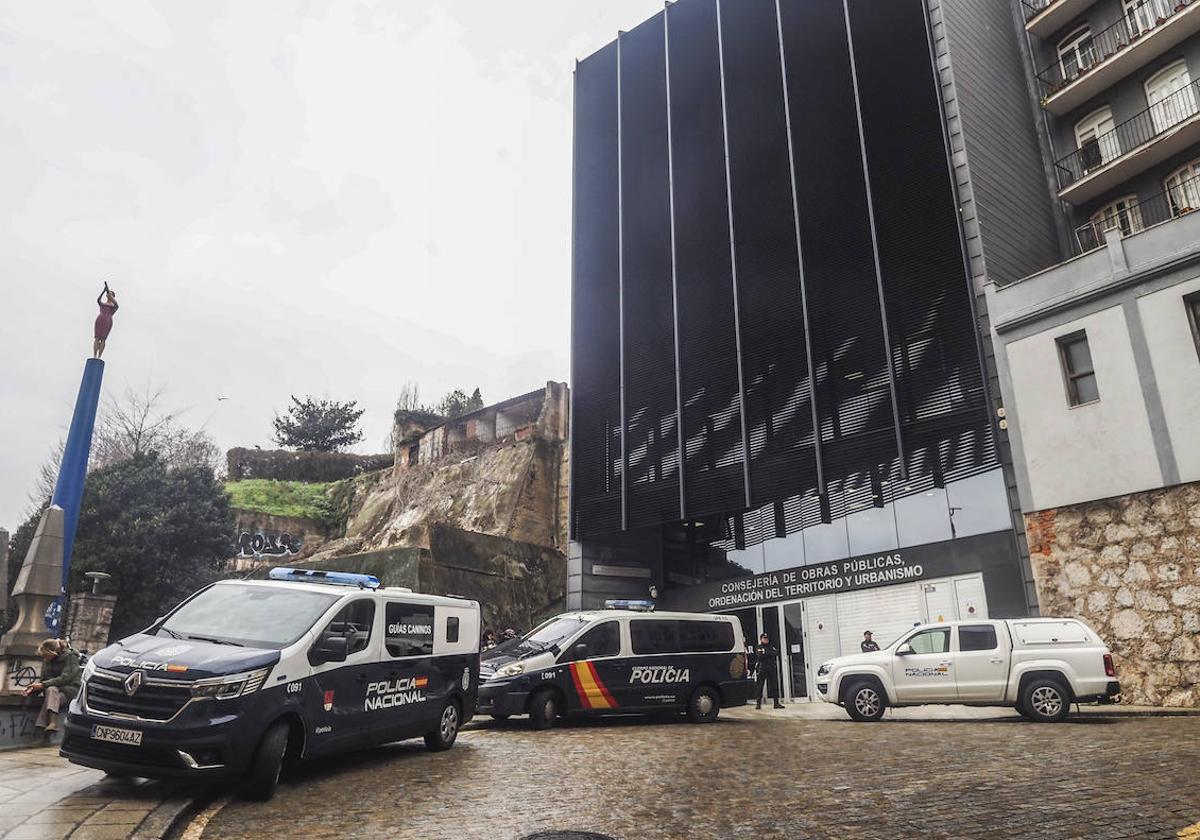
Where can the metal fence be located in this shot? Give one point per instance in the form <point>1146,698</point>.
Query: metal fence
<point>1103,149</point>
<point>1072,64</point>
<point>1135,215</point>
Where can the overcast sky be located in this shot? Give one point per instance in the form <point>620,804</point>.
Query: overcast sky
<point>288,197</point>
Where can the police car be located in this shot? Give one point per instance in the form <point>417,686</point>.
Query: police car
<point>619,660</point>
<point>246,675</point>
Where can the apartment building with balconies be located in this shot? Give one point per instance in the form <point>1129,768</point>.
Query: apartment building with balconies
<point>1098,350</point>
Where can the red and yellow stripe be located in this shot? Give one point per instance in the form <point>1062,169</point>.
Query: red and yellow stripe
<point>593,694</point>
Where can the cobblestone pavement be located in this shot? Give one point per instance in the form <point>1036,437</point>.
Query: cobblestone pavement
<point>43,797</point>
<point>755,776</point>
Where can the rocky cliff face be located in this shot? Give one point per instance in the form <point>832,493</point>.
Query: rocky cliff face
<point>1130,567</point>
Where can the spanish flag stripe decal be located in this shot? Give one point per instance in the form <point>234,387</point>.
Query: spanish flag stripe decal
<point>608,698</point>
<point>579,689</point>
<point>592,692</point>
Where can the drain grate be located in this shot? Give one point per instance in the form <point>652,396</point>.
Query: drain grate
<point>566,835</point>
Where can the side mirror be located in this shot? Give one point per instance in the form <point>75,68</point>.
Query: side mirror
<point>330,649</point>
<point>580,652</point>
<point>905,650</point>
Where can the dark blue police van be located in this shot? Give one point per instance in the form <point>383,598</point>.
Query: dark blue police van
<point>617,661</point>
<point>245,676</point>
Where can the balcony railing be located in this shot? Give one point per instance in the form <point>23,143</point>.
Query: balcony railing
<point>1179,199</point>
<point>1103,45</point>
<point>1033,8</point>
<point>1139,129</point>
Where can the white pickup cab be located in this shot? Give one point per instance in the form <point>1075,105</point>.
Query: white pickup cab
<point>1039,666</point>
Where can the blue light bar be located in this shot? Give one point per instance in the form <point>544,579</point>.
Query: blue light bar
<point>627,604</point>
<point>318,576</point>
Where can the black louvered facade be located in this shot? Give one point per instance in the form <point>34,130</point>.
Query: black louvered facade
<point>771,319</point>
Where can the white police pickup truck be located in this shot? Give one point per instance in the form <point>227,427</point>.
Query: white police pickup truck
<point>1039,666</point>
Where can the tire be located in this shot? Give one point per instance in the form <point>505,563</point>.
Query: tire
<point>446,733</point>
<point>268,761</point>
<point>1021,710</point>
<point>865,701</point>
<point>1046,700</point>
<point>543,709</point>
<point>704,705</point>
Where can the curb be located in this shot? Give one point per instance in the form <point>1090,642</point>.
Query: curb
<point>160,823</point>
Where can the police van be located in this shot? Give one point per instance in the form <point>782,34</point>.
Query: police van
<point>626,659</point>
<point>245,676</point>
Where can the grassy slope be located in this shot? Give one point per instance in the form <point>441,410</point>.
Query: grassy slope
<point>281,498</point>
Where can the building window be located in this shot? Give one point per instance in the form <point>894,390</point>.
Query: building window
<point>1141,15</point>
<point>1075,53</point>
<point>1170,96</point>
<point>1183,188</point>
<point>1077,367</point>
<point>1098,143</point>
<point>1192,302</point>
<point>1124,215</point>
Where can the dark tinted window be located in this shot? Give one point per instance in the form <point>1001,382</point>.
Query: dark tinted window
<point>654,636</point>
<point>452,628</point>
<point>354,622</point>
<point>980,637</point>
<point>705,636</point>
<point>409,629</point>
<point>931,641</point>
<point>602,640</point>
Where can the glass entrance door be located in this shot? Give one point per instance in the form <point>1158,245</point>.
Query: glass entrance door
<point>769,622</point>
<point>793,632</point>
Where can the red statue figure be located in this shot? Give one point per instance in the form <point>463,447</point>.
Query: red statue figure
<point>107,299</point>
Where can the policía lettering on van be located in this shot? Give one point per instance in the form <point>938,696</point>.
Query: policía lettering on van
<point>658,674</point>
<point>387,694</point>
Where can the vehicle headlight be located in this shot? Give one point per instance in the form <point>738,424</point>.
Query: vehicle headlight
<point>227,688</point>
<point>823,670</point>
<point>509,670</point>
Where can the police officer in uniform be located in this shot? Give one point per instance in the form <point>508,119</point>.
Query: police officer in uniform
<point>766,657</point>
<point>868,644</point>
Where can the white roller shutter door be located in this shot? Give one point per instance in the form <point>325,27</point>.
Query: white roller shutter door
<point>887,612</point>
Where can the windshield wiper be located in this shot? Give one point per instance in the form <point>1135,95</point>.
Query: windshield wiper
<point>172,633</point>
<point>215,641</point>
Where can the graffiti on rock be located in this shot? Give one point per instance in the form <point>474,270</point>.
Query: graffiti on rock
<point>261,544</point>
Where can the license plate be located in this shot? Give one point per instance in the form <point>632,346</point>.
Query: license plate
<point>115,735</point>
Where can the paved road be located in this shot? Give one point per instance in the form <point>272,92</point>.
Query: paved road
<point>755,776</point>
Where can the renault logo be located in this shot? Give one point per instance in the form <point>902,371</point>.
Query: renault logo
<point>132,683</point>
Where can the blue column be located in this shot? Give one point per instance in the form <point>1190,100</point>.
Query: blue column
<point>68,490</point>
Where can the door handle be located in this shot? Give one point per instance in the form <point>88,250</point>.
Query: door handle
<point>362,678</point>
<point>996,661</point>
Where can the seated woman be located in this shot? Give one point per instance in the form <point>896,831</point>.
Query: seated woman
<point>59,683</point>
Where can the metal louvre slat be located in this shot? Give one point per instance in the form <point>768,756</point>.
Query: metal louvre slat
<point>708,369</point>
<point>595,302</point>
<point>778,390</point>
<point>651,435</point>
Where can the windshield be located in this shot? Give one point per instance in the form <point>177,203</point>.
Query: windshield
<point>553,632</point>
<point>243,614</point>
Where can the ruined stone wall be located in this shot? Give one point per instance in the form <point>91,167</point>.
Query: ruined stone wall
<point>1130,567</point>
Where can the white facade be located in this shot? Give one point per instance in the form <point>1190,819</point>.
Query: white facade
<point>1130,301</point>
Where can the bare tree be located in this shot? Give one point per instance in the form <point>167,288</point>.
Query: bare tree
<point>133,423</point>
<point>138,422</point>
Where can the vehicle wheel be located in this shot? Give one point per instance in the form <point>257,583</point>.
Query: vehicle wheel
<point>444,736</point>
<point>268,761</point>
<point>1021,710</point>
<point>543,709</point>
<point>1046,700</point>
<point>500,718</point>
<point>865,702</point>
<point>704,705</point>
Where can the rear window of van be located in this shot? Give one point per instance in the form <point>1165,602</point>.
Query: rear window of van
<point>651,636</point>
<point>1050,632</point>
